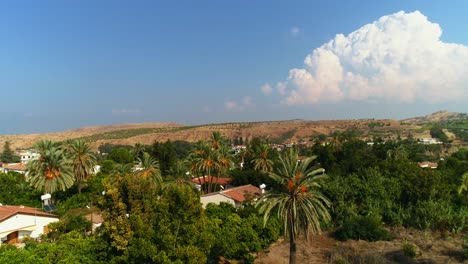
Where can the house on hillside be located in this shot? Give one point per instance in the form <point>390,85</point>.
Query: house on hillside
<point>223,182</point>
<point>427,164</point>
<point>235,196</point>
<point>17,222</point>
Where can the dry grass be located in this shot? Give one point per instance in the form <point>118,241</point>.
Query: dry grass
<point>295,131</point>
<point>430,248</point>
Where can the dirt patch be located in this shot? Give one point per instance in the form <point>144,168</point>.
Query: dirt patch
<point>430,248</point>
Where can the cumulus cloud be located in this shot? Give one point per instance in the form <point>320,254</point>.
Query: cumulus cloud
<point>295,31</point>
<point>244,103</point>
<point>125,111</point>
<point>266,89</point>
<point>399,57</point>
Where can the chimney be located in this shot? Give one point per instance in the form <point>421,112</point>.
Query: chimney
<point>262,187</point>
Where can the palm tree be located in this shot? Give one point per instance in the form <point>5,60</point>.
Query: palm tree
<point>262,159</point>
<point>224,159</point>
<point>83,161</point>
<point>150,168</point>
<point>52,171</point>
<point>217,140</point>
<point>299,205</point>
<point>178,175</point>
<point>138,150</point>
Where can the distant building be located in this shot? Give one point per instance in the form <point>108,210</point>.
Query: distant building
<point>17,222</point>
<point>430,141</point>
<point>223,182</point>
<point>235,196</point>
<point>427,164</point>
<point>27,156</point>
<point>16,167</point>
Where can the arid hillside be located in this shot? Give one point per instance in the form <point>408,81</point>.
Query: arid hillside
<point>275,131</point>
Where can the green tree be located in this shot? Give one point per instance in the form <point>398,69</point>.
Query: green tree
<point>300,205</point>
<point>166,155</point>
<point>150,168</point>
<point>262,158</point>
<point>8,155</point>
<point>121,155</point>
<point>52,171</point>
<point>83,161</point>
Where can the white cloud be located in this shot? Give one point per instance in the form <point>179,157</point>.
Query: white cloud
<point>399,58</point>
<point>281,87</point>
<point>266,89</point>
<point>206,109</point>
<point>295,31</point>
<point>246,102</point>
<point>230,105</point>
<point>125,111</point>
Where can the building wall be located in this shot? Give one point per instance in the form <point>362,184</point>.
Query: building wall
<point>34,225</point>
<point>216,199</point>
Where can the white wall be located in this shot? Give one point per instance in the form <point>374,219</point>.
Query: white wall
<point>216,199</point>
<point>21,221</point>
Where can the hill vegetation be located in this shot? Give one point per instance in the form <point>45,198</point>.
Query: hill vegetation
<point>153,214</point>
<point>273,131</point>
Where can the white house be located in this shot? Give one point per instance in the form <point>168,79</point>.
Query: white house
<point>27,156</point>
<point>17,222</point>
<point>235,196</point>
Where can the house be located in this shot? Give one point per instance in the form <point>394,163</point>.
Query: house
<point>95,219</point>
<point>427,164</point>
<point>235,196</point>
<point>17,222</point>
<point>223,182</point>
<point>17,167</point>
<point>27,156</point>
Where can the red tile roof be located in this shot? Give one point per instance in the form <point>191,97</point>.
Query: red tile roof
<point>15,166</point>
<point>242,193</point>
<point>7,211</point>
<point>220,181</point>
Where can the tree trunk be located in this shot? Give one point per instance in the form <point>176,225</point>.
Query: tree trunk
<point>79,187</point>
<point>292,237</point>
<point>292,246</point>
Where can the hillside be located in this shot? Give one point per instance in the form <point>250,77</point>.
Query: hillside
<point>440,116</point>
<point>275,131</point>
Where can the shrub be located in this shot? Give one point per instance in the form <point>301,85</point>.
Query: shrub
<point>363,227</point>
<point>409,249</point>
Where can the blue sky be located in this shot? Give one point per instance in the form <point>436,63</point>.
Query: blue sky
<point>68,64</point>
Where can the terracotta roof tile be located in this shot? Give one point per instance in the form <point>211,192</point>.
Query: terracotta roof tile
<point>15,166</point>
<point>7,211</point>
<point>220,181</point>
<point>242,193</point>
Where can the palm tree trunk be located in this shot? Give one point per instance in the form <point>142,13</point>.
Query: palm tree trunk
<point>292,243</point>
<point>292,237</point>
<point>78,184</point>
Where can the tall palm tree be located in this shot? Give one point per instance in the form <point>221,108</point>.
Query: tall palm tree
<point>262,159</point>
<point>83,161</point>
<point>150,168</point>
<point>52,171</point>
<point>299,205</point>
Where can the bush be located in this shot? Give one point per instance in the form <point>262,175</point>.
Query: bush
<point>362,227</point>
<point>409,249</point>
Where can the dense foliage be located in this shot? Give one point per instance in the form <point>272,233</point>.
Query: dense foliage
<point>154,214</point>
